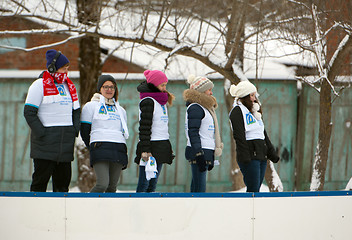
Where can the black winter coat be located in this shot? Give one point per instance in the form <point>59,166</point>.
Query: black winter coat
<point>161,150</point>
<point>257,149</point>
<point>52,143</point>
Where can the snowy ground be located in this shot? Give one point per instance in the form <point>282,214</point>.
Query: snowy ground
<point>263,188</point>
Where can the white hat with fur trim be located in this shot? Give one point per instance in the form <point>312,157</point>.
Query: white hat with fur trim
<point>242,89</point>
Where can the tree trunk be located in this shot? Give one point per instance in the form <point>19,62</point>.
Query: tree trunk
<point>89,67</point>
<point>322,150</point>
<point>88,13</point>
<point>90,70</point>
<point>86,176</point>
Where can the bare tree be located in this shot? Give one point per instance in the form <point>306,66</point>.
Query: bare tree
<point>211,32</point>
<point>311,26</point>
<point>88,13</point>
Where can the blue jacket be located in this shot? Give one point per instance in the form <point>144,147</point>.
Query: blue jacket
<point>195,116</point>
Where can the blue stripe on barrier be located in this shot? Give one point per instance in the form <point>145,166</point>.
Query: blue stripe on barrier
<point>176,195</point>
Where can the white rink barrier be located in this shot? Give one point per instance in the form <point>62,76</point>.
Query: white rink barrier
<point>176,216</point>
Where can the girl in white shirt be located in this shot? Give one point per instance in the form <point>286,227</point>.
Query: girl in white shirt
<point>202,130</point>
<point>253,145</point>
<point>104,131</point>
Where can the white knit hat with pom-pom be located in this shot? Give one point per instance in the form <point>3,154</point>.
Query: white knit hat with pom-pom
<point>201,84</point>
<point>242,89</point>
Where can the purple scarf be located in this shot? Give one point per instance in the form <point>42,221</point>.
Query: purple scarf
<point>160,97</point>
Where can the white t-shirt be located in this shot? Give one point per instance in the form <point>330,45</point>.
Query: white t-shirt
<point>160,125</point>
<point>105,120</point>
<point>206,130</point>
<point>54,110</point>
<point>254,128</point>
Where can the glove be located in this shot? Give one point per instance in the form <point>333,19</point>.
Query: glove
<point>210,165</point>
<point>200,160</point>
<point>275,159</point>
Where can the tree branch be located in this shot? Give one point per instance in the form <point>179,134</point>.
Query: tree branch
<point>44,46</point>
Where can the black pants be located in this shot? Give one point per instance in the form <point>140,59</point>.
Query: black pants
<point>44,169</point>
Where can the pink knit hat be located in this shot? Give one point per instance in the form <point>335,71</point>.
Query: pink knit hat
<point>155,77</point>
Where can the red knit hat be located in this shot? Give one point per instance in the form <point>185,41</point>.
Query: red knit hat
<point>155,77</point>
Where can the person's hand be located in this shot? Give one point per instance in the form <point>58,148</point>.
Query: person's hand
<point>200,160</point>
<point>145,155</point>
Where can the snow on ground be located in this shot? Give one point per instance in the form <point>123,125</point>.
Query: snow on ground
<point>349,185</point>
<point>263,188</point>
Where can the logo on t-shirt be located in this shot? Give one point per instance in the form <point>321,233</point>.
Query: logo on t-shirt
<point>164,109</point>
<point>61,90</point>
<point>250,119</point>
<point>211,128</point>
<point>110,108</point>
<point>102,110</point>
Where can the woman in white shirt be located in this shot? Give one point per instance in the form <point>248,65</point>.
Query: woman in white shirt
<point>104,131</point>
<point>202,130</point>
<point>153,127</point>
<point>253,145</point>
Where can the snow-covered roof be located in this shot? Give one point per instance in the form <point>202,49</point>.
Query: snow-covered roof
<point>265,62</point>
<point>33,74</point>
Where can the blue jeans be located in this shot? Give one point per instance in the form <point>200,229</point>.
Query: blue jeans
<point>199,179</point>
<point>143,184</point>
<point>253,174</point>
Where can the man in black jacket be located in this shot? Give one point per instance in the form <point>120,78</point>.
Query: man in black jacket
<point>52,112</point>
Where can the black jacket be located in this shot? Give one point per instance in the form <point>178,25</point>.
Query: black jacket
<point>252,149</point>
<point>52,143</point>
<point>161,150</point>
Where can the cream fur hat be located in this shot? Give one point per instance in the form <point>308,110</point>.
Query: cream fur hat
<point>242,89</point>
<point>201,84</point>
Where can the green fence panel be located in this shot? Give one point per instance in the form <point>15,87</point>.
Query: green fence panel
<point>339,165</point>
<point>16,167</point>
<point>280,104</point>
<point>175,177</point>
<point>279,101</point>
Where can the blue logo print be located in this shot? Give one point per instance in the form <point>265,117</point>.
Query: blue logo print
<point>152,161</point>
<point>61,90</point>
<point>164,109</point>
<point>250,119</point>
<point>110,108</point>
<point>102,110</point>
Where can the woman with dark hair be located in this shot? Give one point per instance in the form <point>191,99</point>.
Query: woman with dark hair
<point>253,145</point>
<point>104,132</point>
<point>153,127</point>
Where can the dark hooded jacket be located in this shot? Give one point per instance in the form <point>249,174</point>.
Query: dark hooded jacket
<point>52,143</point>
<point>248,150</point>
<point>161,150</point>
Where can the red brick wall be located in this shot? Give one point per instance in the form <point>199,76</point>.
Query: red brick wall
<point>21,60</point>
